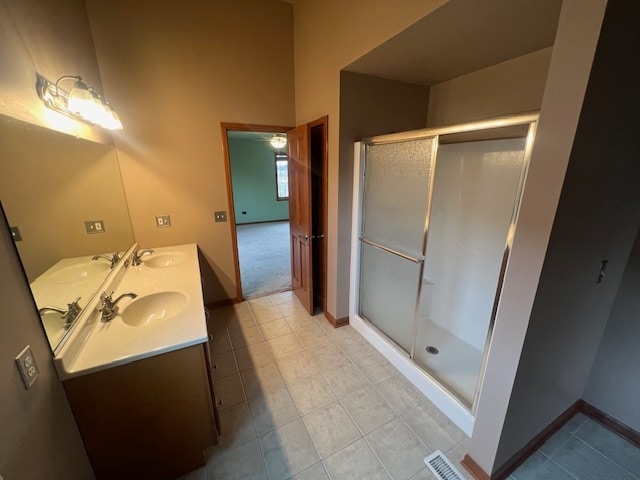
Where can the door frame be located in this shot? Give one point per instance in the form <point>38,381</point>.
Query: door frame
<point>231,218</point>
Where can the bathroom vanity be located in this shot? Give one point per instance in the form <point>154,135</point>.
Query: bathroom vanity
<point>140,384</point>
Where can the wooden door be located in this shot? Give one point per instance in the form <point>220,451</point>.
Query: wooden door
<point>300,219</point>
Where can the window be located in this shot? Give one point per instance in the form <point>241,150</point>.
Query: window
<point>282,177</point>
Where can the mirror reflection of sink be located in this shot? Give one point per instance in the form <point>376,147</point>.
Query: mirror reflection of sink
<point>151,308</point>
<point>54,326</point>
<point>165,259</point>
<point>79,272</point>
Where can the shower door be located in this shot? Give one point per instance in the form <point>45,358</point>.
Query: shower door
<point>437,214</point>
<point>395,202</point>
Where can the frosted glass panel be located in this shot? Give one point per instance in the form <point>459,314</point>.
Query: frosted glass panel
<point>474,195</point>
<point>396,192</point>
<point>388,292</point>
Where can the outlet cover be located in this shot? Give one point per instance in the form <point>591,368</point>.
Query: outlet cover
<point>28,368</point>
<point>16,235</point>
<point>220,216</point>
<point>94,226</point>
<point>163,221</point>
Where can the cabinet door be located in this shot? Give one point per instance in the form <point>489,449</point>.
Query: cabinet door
<point>214,403</point>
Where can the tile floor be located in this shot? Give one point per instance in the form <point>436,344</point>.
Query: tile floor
<point>302,400</point>
<point>582,450</point>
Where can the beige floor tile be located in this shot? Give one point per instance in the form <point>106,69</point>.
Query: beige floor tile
<point>241,321</point>
<point>433,435</point>
<point>330,360</point>
<point>221,343</point>
<point>367,408</point>
<point>248,336</point>
<point>253,356</point>
<point>345,379</point>
<point>288,450</point>
<point>331,429</point>
<point>272,410</point>
<point>311,336</point>
<point>261,380</point>
<point>264,314</point>
<point>285,298</point>
<point>398,449</point>
<point>236,426</point>
<point>400,394</point>
<point>377,373</point>
<point>314,472</point>
<point>296,365</point>
<point>276,328</point>
<point>291,308</point>
<point>238,463</point>
<point>228,391</point>
<point>302,321</point>
<point>311,393</point>
<point>354,462</point>
<point>223,364</point>
<point>284,345</point>
<point>265,301</point>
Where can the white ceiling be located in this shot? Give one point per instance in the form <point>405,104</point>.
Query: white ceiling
<point>460,37</point>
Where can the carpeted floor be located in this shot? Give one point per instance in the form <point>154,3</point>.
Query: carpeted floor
<point>265,258</point>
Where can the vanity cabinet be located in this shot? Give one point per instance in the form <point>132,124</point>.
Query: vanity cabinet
<point>148,419</point>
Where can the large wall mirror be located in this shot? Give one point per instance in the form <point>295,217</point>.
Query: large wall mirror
<point>50,185</point>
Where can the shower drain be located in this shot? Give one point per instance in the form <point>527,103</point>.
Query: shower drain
<point>432,350</point>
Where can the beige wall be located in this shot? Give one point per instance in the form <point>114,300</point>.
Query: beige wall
<point>52,39</point>
<point>50,183</point>
<point>176,70</point>
<point>320,53</point>
<point>514,86</point>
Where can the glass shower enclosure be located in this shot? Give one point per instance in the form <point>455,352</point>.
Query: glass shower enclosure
<point>434,215</point>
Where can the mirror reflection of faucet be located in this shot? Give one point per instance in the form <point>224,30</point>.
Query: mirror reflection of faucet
<point>114,259</point>
<point>109,307</point>
<point>69,315</point>
<point>136,258</point>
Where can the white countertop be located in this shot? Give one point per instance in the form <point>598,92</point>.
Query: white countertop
<point>103,344</point>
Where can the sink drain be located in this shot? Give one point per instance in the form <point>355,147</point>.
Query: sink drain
<point>432,350</point>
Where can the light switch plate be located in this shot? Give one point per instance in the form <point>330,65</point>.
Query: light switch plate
<point>220,216</point>
<point>94,226</point>
<point>163,221</point>
<point>28,368</point>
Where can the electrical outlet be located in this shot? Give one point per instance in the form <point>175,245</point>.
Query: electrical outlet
<point>94,226</point>
<point>17,236</point>
<point>163,221</point>
<point>28,367</point>
<point>220,216</point>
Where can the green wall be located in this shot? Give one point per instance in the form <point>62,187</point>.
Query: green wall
<point>253,174</point>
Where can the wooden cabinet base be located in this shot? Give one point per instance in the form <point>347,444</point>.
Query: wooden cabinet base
<point>150,419</point>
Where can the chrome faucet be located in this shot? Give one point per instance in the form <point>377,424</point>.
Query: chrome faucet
<point>114,259</point>
<point>69,315</point>
<point>136,258</point>
<point>109,307</point>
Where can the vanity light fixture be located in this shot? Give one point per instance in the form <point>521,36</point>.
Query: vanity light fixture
<point>278,141</point>
<point>81,102</point>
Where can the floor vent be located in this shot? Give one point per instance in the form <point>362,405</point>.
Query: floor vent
<point>442,467</point>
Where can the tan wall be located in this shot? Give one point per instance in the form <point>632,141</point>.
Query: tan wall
<point>514,86</point>
<point>52,39</point>
<point>50,183</point>
<point>176,70</point>
<point>320,53</point>
<point>39,435</point>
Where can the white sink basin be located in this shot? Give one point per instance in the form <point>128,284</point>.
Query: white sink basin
<point>79,272</point>
<point>165,260</point>
<point>152,308</point>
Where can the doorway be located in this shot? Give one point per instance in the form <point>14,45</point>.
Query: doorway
<point>256,167</point>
